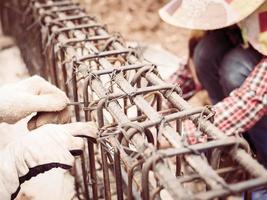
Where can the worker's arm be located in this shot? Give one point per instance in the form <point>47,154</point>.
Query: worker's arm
<point>29,96</point>
<point>47,147</point>
<point>244,107</point>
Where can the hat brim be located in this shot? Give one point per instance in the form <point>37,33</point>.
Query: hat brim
<point>209,16</point>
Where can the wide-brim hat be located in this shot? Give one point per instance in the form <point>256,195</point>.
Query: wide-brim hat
<point>207,14</point>
<point>254,29</point>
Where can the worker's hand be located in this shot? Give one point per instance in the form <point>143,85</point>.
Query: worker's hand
<point>47,147</point>
<point>33,95</point>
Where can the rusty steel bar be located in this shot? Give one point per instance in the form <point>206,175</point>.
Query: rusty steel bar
<point>201,166</point>
<point>107,82</point>
<point>85,95</point>
<point>240,155</point>
<point>235,188</point>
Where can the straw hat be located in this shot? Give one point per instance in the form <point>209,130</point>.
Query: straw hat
<point>207,14</point>
<point>254,29</point>
<point>251,15</point>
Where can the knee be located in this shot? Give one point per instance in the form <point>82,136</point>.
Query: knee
<point>200,56</point>
<point>230,76</point>
<point>236,66</point>
<point>202,50</point>
<point>202,61</point>
<point>209,52</point>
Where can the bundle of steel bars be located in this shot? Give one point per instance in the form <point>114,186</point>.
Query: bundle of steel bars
<point>110,83</point>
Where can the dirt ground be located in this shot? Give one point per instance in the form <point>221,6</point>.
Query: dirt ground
<point>139,21</point>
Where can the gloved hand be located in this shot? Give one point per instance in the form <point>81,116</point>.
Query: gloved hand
<point>47,147</point>
<point>42,118</point>
<point>32,95</point>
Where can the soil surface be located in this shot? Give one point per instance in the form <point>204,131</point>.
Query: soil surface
<point>139,21</point>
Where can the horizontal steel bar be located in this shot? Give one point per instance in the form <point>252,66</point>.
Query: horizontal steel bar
<point>191,177</point>
<point>138,91</point>
<point>72,17</point>
<point>235,188</point>
<point>53,4</point>
<point>166,118</point>
<point>251,165</point>
<point>89,39</point>
<point>200,147</point>
<point>105,54</point>
<point>65,9</point>
<point>77,27</point>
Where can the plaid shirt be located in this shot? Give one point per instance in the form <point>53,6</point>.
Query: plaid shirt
<point>183,78</point>
<point>244,107</point>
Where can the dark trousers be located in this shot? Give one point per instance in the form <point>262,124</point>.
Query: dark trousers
<point>222,67</point>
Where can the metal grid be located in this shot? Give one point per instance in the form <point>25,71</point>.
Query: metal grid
<point>111,84</point>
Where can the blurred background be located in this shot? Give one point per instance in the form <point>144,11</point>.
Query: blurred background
<point>139,21</point>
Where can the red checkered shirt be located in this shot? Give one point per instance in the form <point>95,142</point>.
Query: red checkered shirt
<point>184,79</point>
<point>243,108</point>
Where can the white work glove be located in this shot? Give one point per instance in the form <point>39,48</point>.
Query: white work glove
<point>44,148</point>
<point>33,95</point>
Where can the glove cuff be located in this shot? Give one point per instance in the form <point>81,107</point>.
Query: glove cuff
<point>9,182</point>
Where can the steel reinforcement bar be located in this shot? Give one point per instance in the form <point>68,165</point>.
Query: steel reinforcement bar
<point>109,83</point>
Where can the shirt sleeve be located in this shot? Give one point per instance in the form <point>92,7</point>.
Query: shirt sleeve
<point>243,108</point>
<point>246,105</point>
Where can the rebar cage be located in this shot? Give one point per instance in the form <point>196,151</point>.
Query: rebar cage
<point>110,83</point>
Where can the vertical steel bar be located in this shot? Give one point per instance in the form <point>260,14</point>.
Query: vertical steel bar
<point>118,176</point>
<point>178,161</point>
<point>75,94</point>
<point>85,179</point>
<point>100,120</point>
<point>90,145</point>
<point>93,174</point>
